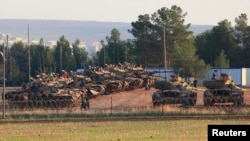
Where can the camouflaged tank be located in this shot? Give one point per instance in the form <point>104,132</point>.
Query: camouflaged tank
<point>138,78</point>
<point>222,90</point>
<point>103,82</point>
<point>174,91</point>
<point>86,85</point>
<point>117,80</point>
<point>37,94</point>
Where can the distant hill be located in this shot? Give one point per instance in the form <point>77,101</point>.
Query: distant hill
<point>86,31</point>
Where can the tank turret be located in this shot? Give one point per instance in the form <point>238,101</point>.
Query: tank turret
<point>222,90</point>
<point>40,94</point>
<point>174,91</point>
<point>224,81</point>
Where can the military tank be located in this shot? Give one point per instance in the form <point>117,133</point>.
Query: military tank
<point>222,91</point>
<point>37,94</point>
<point>53,91</point>
<point>174,91</point>
<point>116,79</point>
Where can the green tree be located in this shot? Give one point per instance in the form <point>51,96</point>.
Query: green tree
<point>63,56</point>
<point>221,37</point>
<point>205,50</point>
<point>19,56</point>
<point>80,55</point>
<point>113,45</point>
<point>242,34</point>
<point>114,51</point>
<point>185,59</point>
<point>221,60</point>
<point>50,59</point>
<point>149,40</point>
<point>12,69</point>
<point>37,58</point>
<point>241,31</point>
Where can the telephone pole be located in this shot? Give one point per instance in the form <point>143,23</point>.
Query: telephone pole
<point>4,67</point>
<point>61,58</point>
<point>29,49</point>
<point>165,53</point>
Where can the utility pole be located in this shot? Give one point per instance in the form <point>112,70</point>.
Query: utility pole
<point>61,58</point>
<point>165,54</point>
<point>29,49</point>
<point>113,55</point>
<point>4,66</point>
<point>126,53</point>
<point>104,56</point>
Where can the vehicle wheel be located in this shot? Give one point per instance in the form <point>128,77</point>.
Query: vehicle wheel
<point>238,101</point>
<point>208,102</point>
<point>185,102</point>
<point>156,103</point>
<point>192,101</point>
<point>156,100</point>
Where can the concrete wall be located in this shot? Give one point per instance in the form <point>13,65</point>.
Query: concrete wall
<point>247,77</point>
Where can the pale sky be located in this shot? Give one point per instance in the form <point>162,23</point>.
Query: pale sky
<point>206,12</point>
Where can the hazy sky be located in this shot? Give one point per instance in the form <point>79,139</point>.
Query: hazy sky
<point>208,12</point>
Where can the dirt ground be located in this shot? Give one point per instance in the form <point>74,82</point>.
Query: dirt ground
<point>141,98</point>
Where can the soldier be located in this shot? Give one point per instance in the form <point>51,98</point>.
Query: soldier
<point>147,86</point>
<point>195,81</point>
<point>214,77</point>
<point>85,103</point>
<point>64,74</point>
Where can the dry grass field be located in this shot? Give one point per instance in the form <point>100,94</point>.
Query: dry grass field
<point>159,130</point>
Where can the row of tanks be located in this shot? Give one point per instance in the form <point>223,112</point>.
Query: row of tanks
<point>71,89</point>
<point>218,91</point>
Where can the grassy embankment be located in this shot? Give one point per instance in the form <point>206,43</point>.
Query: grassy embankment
<point>165,111</point>
<point>165,130</point>
<point>125,128</point>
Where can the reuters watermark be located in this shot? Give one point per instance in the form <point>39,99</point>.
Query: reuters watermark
<point>220,132</point>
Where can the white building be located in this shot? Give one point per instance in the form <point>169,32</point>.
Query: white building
<point>240,76</point>
<point>96,46</point>
<point>51,43</point>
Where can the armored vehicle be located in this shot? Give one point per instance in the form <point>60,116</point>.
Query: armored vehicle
<point>37,94</point>
<point>116,79</point>
<point>174,91</point>
<point>222,90</point>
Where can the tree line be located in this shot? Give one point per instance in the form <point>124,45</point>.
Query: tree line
<point>188,54</point>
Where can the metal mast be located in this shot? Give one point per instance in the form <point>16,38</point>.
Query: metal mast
<point>165,54</point>
<point>4,67</point>
<point>29,49</point>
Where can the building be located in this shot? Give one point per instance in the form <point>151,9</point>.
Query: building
<point>96,46</point>
<point>241,76</point>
